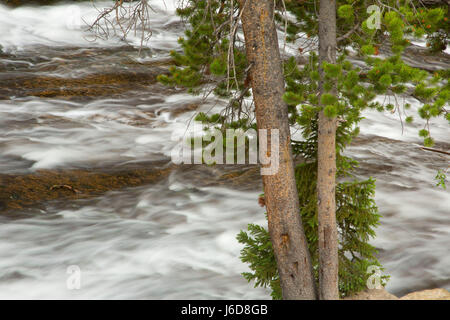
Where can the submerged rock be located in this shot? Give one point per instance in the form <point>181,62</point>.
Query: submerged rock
<point>92,85</point>
<point>26,190</point>
<point>18,3</point>
<point>73,72</point>
<point>22,192</point>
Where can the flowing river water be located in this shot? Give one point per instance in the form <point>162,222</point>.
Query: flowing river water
<point>70,106</point>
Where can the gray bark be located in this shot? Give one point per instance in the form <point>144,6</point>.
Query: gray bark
<point>281,197</point>
<point>326,176</point>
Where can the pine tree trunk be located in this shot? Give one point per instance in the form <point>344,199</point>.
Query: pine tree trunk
<point>281,197</point>
<point>326,176</point>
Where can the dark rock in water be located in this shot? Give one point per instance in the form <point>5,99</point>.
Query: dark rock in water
<point>18,3</point>
<point>90,85</point>
<point>99,73</point>
<point>12,275</point>
<point>19,192</point>
<point>27,190</point>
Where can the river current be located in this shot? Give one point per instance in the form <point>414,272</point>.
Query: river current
<point>175,238</point>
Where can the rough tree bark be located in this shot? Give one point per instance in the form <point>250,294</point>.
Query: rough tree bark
<point>326,176</point>
<point>281,197</point>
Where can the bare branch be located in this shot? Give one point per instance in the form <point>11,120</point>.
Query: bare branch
<point>122,18</point>
<point>435,150</point>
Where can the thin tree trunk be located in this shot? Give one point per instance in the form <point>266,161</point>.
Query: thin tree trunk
<point>326,176</point>
<point>281,197</point>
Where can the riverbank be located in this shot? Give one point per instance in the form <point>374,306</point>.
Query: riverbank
<point>382,294</point>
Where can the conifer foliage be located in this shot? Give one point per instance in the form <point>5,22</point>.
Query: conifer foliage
<point>213,58</point>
